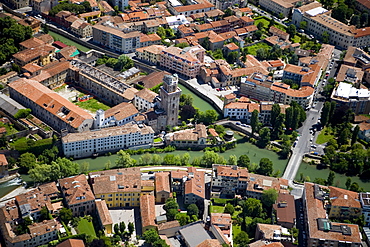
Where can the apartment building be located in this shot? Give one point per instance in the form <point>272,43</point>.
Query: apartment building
<point>185,61</point>
<point>319,21</point>
<point>118,115</point>
<point>147,212</point>
<point>227,181</point>
<point>150,54</point>
<point>52,75</point>
<point>145,99</point>
<point>256,86</point>
<point>50,107</point>
<point>365,204</point>
<point>282,93</point>
<point>77,195</point>
<point>162,187</point>
<point>285,210</point>
<point>344,204</point>
<point>41,55</point>
<point>320,230</point>
<point>187,10</point>
<point>237,110</point>
<point>81,28</point>
<point>120,3</point>
<point>42,6</point>
<point>258,183</point>
<point>357,99</point>
<point>3,166</point>
<point>223,4</point>
<point>118,187</point>
<point>128,136</point>
<point>279,6</point>
<point>194,188</point>
<point>105,219</point>
<point>177,182</point>
<point>32,202</point>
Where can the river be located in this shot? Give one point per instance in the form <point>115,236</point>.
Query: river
<point>9,186</point>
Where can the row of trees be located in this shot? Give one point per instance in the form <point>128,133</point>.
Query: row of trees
<point>71,7</point>
<point>188,111</point>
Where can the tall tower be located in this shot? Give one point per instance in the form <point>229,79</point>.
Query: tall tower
<point>170,98</point>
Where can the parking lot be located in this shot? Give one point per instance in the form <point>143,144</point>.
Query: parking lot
<point>127,216</point>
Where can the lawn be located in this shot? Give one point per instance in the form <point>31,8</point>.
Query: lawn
<point>325,135</point>
<point>92,105</point>
<point>253,48</point>
<point>58,37</point>
<point>10,130</point>
<point>217,209</point>
<point>84,226</point>
<point>296,39</point>
<point>262,19</point>
<point>158,139</point>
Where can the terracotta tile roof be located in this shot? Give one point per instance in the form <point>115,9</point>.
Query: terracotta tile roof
<point>221,219</point>
<point>147,210</point>
<point>146,94</point>
<point>106,6</point>
<point>349,73</point>
<point>154,49</point>
<point>103,212</point>
<point>285,88</point>
<point>31,67</point>
<point>362,32</point>
<point>315,210</point>
<point>230,96</point>
<point>204,27</point>
<point>212,132</point>
<point>46,38</point>
<point>232,47</point>
<point>179,53</point>
<point>51,101</point>
<point>178,174</point>
<point>89,14</point>
<point>196,184</point>
<point>365,3</point>
<point>228,35</point>
<point>210,243</point>
<point>67,52</point>
<point>33,53</point>
<point>121,111</point>
<point>138,16</point>
<point>162,182</point>
<point>194,7</point>
<point>268,230</point>
<point>285,208</point>
<point>344,198</point>
<point>117,180</point>
<point>42,228</point>
<point>76,190</point>
<point>168,225</point>
<point>72,243</point>
<point>276,31</point>
<point>259,183</point>
<point>3,160</point>
<point>261,243</point>
<point>32,43</point>
<point>129,93</point>
<point>153,79</point>
<point>364,126</point>
<point>194,134</point>
<point>246,19</point>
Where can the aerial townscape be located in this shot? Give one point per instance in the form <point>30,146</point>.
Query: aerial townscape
<point>185,123</point>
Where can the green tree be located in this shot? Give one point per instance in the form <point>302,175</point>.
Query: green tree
<point>348,183</point>
<point>40,173</point>
<point>356,21</point>
<point>182,45</point>
<point>325,37</point>
<point>244,161</point>
<point>232,57</point>
<point>364,19</point>
<point>122,227</point>
<point>183,219</point>
<point>209,158</point>
<point>131,228</point>
<point>185,159</point>
<point>269,197</point>
<point>264,137</point>
<point>260,26</point>
<point>275,111</point>
<point>84,167</point>
<point>255,121</point>
<point>354,187</point>
<point>150,236</point>
<point>232,161</point>
<point>262,53</point>
<point>27,161</point>
<point>124,160</point>
<point>186,99</point>
<point>355,135</point>
<point>325,113</point>
<point>242,239</point>
<point>116,229</point>
<point>65,215</point>
<point>252,207</point>
<point>123,63</point>
<point>292,30</point>
<point>187,112</point>
<point>44,214</point>
<point>156,159</point>
<point>228,12</point>
<point>229,209</point>
<point>192,209</point>
<point>210,116</point>
<point>303,25</point>
<point>265,167</point>
<point>22,113</point>
<point>257,35</point>
<point>161,32</point>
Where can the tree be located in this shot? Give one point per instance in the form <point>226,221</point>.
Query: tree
<point>242,239</point>
<point>228,12</point>
<point>116,229</point>
<point>269,197</point>
<point>123,63</point>
<point>265,167</point>
<point>187,112</point>
<point>229,209</point>
<point>182,45</point>
<point>171,214</point>
<point>186,99</point>
<point>209,158</point>
<point>292,30</point>
<point>325,113</point>
<point>22,113</point>
<point>364,19</point>
<point>348,183</point>
<point>220,129</point>
<point>325,37</point>
<point>260,26</point>
<point>211,116</point>
<point>262,53</point>
<point>131,228</point>
<point>161,32</point>
<point>84,167</point>
<point>275,111</point>
<point>232,160</point>
<point>303,25</point>
<point>355,134</point>
<point>150,236</point>
<point>183,219</point>
<point>192,210</point>
<point>264,137</point>
<point>255,122</point>
<point>244,161</point>
<point>40,173</point>
<point>156,159</point>
<point>65,215</point>
<point>344,136</point>
<point>124,160</point>
<point>354,187</point>
<point>44,214</point>
<point>185,159</point>
<point>356,21</point>
<point>27,161</point>
<point>252,207</point>
<point>257,35</point>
